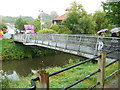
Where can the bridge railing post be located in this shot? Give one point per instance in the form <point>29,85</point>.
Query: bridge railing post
<point>66,42</point>
<point>101,66</point>
<point>44,80</point>
<point>79,45</point>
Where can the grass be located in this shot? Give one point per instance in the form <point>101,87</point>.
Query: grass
<point>68,77</point>
<point>65,78</point>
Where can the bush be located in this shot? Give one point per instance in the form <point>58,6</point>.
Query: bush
<point>61,29</point>
<point>11,50</point>
<point>47,31</point>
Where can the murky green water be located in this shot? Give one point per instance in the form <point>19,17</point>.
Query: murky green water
<point>24,67</point>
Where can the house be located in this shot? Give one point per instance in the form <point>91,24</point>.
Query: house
<point>59,19</point>
<point>29,29</point>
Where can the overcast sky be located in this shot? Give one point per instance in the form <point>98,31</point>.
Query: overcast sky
<point>31,7</point>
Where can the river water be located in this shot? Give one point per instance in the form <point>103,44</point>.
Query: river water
<point>24,67</point>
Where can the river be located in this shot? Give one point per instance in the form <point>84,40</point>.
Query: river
<point>24,67</point>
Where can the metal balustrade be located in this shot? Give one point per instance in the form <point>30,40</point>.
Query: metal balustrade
<point>75,44</point>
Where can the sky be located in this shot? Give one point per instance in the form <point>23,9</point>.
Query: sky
<point>32,7</point>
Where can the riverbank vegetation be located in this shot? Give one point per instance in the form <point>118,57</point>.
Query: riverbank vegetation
<point>11,50</point>
<point>65,78</point>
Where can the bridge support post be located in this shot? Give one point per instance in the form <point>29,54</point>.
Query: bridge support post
<point>44,80</point>
<point>101,66</point>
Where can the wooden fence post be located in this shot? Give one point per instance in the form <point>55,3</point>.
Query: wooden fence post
<point>44,80</point>
<point>101,66</point>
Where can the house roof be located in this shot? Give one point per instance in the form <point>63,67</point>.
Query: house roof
<point>62,17</point>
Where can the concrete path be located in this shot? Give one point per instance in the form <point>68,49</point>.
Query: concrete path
<point>114,84</point>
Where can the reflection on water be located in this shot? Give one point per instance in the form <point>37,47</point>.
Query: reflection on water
<point>12,76</point>
<point>24,67</point>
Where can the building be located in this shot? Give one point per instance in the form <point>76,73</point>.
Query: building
<point>59,19</point>
<point>29,29</point>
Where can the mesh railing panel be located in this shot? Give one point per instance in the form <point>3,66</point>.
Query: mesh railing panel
<point>84,43</point>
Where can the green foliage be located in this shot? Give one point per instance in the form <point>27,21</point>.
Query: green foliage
<point>78,21</point>
<point>28,19</point>
<point>47,31</point>
<point>86,25</point>
<point>101,21</point>
<point>112,9</point>
<point>19,24</point>
<point>73,15</point>
<point>8,19</point>
<point>37,24</point>
<point>10,50</point>
<point>61,29</point>
<point>55,27</point>
<point>64,30</point>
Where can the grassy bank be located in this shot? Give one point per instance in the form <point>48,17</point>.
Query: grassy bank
<point>65,78</point>
<point>10,50</point>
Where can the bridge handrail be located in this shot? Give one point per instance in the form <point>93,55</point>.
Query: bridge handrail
<point>66,35</point>
<point>69,41</point>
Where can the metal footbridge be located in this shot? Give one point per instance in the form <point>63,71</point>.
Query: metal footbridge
<point>81,45</point>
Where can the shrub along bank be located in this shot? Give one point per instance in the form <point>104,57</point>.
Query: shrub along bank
<point>11,50</point>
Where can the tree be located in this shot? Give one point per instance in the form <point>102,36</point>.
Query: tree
<point>19,24</point>
<point>100,20</point>
<point>28,19</point>
<point>61,29</point>
<point>75,12</point>
<point>9,19</point>
<point>47,31</point>
<point>112,9</point>
<point>86,25</point>
<point>37,24</point>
